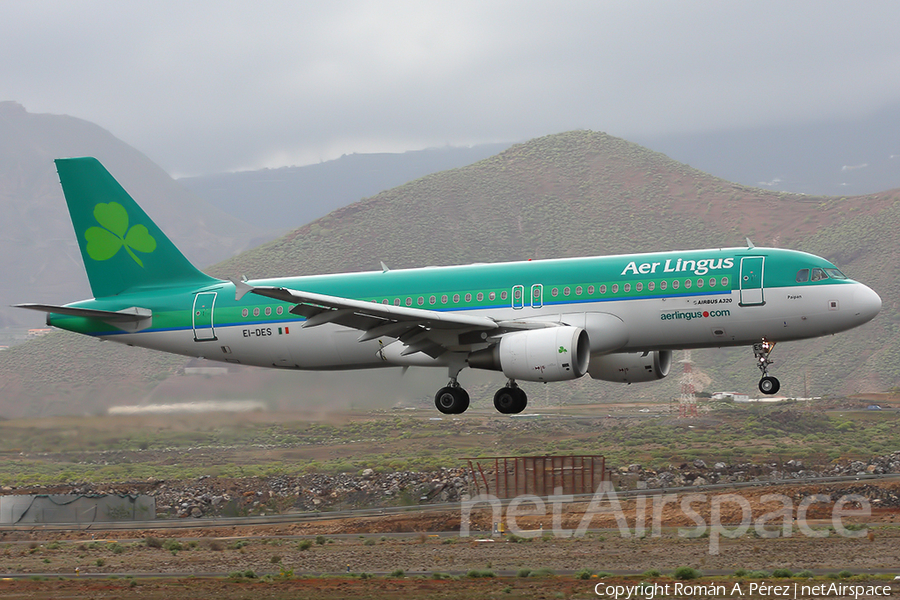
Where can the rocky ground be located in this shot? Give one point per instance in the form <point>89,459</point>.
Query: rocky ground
<point>213,496</point>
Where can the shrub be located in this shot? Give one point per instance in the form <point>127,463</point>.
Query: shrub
<point>437,575</point>
<point>172,545</point>
<point>686,573</point>
<point>369,542</point>
<point>542,572</point>
<point>116,548</point>
<point>275,559</point>
<point>320,540</point>
<point>845,574</point>
<point>216,545</point>
<point>652,573</point>
<point>758,574</point>
<point>304,545</point>
<point>741,573</point>
<point>782,573</point>
<point>584,574</point>
<point>604,574</point>
<point>153,542</point>
<point>805,573</point>
<point>523,573</point>
<point>100,562</point>
<point>398,573</point>
<point>476,573</point>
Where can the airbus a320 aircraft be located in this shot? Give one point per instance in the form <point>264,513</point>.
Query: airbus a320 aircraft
<point>616,318</point>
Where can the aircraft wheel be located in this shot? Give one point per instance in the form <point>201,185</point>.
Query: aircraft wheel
<point>521,400</point>
<point>506,400</point>
<point>451,400</point>
<point>769,385</point>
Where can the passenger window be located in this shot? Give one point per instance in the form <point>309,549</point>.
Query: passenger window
<point>554,292</point>
<point>444,299</point>
<point>455,298</point>
<point>675,285</point>
<point>818,275</point>
<point>712,282</point>
<point>503,295</point>
<point>603,289</point>
<point>699,283</point>
<point>615,288</point>
<point>578,291</point>
<point>468,297</point>
<point>420,301</point>
<point>245,312</point>
<point>492,295</point>
<point>802,275</point>
<point>385,301</point>
<point>638,286</point>
<point>724,282</point>
<point>566,291</point>
<point>409,301</point>
<point>687,284</point>
<point>256,312</point>
<point>479,297</point>
<point>279,310</point>
<point>432,300</point>
<point>627,287</point>
<point>268,311</point>
<point>591,290</point>
<point>650,285</point>
<point>396,301</point>
<point>662,285</point>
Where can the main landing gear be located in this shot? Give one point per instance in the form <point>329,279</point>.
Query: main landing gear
<point>510,400</point>
<point>767,385</point>
<point>454,400</point>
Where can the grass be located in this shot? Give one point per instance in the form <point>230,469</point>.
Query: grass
<point>107,449</point>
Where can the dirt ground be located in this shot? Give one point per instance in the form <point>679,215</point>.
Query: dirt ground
<point>286,561</point>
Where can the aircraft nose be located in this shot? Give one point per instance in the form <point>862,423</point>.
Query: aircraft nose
<point>866,303</point>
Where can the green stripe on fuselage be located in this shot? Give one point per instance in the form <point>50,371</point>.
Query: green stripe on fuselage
<point>606,278</point>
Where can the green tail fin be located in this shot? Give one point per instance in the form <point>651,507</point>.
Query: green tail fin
<point>121,247</point>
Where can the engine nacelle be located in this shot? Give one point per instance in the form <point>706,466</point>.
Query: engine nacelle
<point>549,354</point>
<point>631,367</point>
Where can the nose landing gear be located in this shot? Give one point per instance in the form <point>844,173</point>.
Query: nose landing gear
<point>767,385</point>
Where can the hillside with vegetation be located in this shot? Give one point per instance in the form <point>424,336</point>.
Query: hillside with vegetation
<point>587,193</point>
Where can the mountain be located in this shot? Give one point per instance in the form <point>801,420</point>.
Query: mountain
<point>831,157</point>
<point>293,196</point>
<point>584,193</point>
<point>39,259</point>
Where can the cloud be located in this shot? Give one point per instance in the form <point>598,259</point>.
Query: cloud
<point>205,86</point>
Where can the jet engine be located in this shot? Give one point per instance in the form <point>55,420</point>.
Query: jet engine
<point>548,354</point>
<point>631,367</point>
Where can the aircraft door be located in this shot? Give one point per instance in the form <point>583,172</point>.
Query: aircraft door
<point>204,303</point>
<point>518,296</point>
<point>752,281</point>
<point>537,296</point>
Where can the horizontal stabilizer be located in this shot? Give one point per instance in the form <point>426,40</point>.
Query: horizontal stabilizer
<point>128,319</point>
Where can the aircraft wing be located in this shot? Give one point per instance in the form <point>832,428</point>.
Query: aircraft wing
<point>421,330</point>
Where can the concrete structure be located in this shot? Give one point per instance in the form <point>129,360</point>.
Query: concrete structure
<point>75,508</point>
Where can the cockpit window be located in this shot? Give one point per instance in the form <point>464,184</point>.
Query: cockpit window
<point>802,275</point>
<point>835,274</point>
<point>818,275</point>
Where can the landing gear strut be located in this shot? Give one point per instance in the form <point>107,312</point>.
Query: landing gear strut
<point>767,385</point>
<point>452,400</point>
<point>510,400</point>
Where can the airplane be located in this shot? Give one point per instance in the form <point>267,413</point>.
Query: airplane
<point>616,318</point>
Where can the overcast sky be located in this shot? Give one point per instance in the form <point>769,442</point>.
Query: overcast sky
<point>207,86</point>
